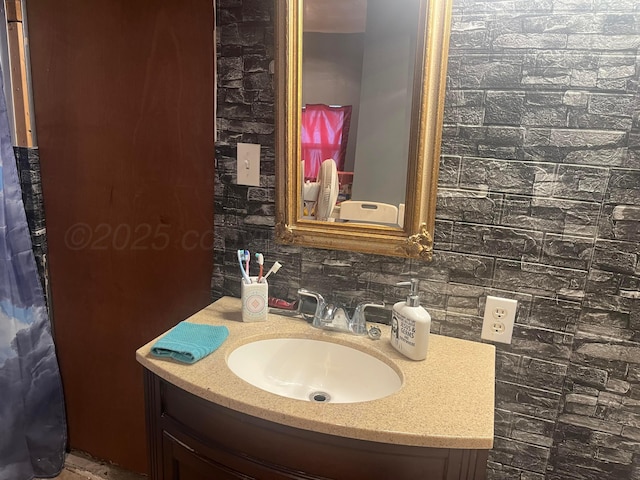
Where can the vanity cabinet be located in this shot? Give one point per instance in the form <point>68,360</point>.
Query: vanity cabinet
<point>190,438</point>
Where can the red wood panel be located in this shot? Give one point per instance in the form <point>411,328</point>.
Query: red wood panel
<point>123,93</point>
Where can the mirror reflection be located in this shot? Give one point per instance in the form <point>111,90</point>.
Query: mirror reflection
<point>369,78</point>
<point>358,63</point>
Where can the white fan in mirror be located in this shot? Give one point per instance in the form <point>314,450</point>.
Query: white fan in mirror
<point>319,197</point>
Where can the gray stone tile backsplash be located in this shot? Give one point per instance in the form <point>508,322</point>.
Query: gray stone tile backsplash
<point>28,164</point>
<point>538,200</point>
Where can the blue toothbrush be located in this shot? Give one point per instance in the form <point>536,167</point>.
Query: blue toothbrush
<point>241,258</point>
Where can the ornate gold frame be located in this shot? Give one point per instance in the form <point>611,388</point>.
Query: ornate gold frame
<point>415,240</point>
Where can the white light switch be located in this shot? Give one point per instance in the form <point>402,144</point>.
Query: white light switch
<point>248,164</point>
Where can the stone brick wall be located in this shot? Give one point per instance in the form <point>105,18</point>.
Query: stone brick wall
<point>28,162</point>
<point>539,200</point>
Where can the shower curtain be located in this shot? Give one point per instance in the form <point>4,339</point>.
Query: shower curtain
<point>324,134</point>
<point>32,416</point>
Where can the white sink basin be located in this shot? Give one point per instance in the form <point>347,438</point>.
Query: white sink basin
<point>313,370</point>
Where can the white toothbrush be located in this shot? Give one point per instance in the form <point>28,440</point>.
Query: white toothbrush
<point>274,268</point>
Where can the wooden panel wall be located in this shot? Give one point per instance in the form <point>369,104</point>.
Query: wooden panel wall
<point>123,93</point>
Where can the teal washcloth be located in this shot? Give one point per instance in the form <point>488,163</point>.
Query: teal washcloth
<point>189,342</point>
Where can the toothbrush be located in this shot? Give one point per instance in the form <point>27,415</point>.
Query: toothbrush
<point>274,268</point>
<point>247,258</point>
<point>244,273</point>
<point>260,258</point>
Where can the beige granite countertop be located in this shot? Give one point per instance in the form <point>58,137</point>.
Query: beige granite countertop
<point>446,401</point>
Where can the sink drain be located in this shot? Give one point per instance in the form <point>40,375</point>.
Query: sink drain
<point>319,397</point>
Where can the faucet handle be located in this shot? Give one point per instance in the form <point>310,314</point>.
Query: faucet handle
<point>320,303</point>
<point>361,306</point>
<point>309,293</point>
<point>358,321</point>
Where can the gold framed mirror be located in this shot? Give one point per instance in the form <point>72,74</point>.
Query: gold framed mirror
<point>409,234</point>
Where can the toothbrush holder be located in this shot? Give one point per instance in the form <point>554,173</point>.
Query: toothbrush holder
<point>255,300</point>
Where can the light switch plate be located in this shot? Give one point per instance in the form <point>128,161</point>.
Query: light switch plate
<point>248,156</point>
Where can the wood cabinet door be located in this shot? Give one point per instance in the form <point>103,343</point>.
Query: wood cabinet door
<point>182,463</point>
<point>190,434</point>
<point>123,96</point>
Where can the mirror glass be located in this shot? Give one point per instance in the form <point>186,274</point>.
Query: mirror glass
<point>360,97</point>
<point>358,62</point>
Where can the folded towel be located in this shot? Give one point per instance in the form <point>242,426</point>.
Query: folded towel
<point>189,342</point>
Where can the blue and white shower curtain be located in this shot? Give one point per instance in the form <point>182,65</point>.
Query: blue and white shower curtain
<point>32,416</point>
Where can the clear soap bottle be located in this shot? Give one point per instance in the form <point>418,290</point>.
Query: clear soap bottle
<point>411,324</point>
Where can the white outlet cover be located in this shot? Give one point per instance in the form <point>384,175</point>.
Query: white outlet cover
<point>494,327</point>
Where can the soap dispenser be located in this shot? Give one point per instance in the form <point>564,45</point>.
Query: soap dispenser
<point>410,324</point>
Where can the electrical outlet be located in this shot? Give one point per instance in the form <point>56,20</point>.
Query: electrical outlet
<point>499,317</point>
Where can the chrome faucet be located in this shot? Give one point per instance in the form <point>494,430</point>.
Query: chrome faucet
<point>332,317</point>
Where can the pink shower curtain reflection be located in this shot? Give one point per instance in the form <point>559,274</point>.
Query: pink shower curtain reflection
<point>324,134</point>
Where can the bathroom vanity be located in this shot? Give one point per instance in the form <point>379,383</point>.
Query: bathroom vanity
<point>204,422</point>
